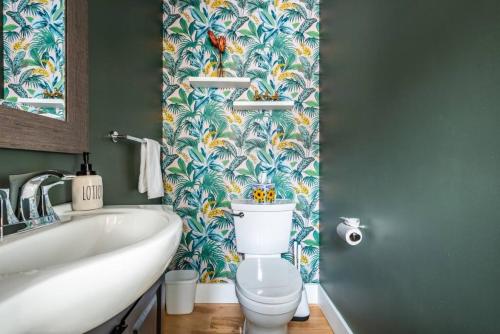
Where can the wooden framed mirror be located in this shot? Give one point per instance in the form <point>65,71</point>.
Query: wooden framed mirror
<point>43,107</point>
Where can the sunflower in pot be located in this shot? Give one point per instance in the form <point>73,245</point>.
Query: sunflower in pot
<point>271,195</point>
<point>259,195</point>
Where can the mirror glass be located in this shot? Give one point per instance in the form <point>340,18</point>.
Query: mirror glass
<point>34,56</point>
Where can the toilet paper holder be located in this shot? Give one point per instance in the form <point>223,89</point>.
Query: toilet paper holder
<point>349,229</point>
<point>353,222</point>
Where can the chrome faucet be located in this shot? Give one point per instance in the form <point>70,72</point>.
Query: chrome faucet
<point>32,211</point>
<point>7,216</point>
<point>28,202</point>
<point>1,218</point>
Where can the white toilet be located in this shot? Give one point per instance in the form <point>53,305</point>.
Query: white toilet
<point>267,286</point>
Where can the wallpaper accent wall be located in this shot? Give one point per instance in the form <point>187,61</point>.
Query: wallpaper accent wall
<point>214,154</point>
<point>34,51</point>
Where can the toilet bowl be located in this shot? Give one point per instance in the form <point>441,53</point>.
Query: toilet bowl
<point>269,292</point>
<point>268,287</point>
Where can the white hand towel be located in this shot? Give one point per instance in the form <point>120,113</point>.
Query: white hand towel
<point>150,177</point>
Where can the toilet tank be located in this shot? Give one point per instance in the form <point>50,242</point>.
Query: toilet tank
<point>263,229</point>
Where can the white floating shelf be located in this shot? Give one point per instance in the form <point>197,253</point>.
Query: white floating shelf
<point>263,105</point>
<point>42,103</point>
<point>215,82</point>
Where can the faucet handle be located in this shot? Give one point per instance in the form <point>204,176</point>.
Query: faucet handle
<point>47,208</point>
<point>9,212</point>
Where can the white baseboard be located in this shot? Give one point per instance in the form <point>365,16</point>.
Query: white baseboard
<point>312,292</point>
<point>216,293</point>
<point>224,293</point>
<point>332,314</point>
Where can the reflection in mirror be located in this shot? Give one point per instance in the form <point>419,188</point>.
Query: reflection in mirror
<point>34,56</point>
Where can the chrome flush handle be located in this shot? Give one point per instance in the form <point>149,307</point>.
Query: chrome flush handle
<point>239,214</point>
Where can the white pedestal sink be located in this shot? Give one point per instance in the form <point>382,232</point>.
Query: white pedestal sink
<point>73,276</point>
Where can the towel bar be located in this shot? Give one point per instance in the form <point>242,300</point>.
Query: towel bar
<point>115,136</point>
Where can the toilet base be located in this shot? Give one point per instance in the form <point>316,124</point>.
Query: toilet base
<point>299,319</point>
<point>249,328</point>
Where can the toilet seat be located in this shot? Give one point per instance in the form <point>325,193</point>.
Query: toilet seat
<point>267,309</point>
<point>269,281</point>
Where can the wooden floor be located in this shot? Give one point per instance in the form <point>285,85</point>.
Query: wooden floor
<point>227,319</point>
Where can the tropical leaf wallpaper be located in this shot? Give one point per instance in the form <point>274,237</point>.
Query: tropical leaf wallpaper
<point>213,153</point>
<point>34,51</point>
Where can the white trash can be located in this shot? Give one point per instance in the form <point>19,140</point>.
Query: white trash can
<point>181,291</point>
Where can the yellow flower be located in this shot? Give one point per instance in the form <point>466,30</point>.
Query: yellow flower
<point>235,187</point>
<point>168,187</point>
<point>303,119</point>
<point>216,213</point>
<point>205,278</point>
<point>259,195</point>
<point>235,257</point>
<point>205,208</point>
<point>285,144</point>
<point>304,50</point>
<point>304,260</point>
<point>302,189</point>
<point>20,44</point>
<point>277,69</point>
<point>216,142</point>
<point>51,66</point>
<point>209,67</point>
<point>168,117</point>
<point>208,136</point>
<point>234,118</point>
<point>285,75</point>
<point>169,47</point>
<point>219,3</point>
<point>237,118</point>
<point>41,71</point>
<point>271,195</point>
<point>287,5</point>
<point>238,49</point>
<point>218,280</point>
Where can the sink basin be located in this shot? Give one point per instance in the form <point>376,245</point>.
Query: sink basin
<point>72,276</point>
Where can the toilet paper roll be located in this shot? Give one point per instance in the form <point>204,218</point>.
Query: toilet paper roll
<point>349,234</point>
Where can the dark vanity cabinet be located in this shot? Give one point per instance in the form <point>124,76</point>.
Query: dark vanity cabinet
<point>145,316</point>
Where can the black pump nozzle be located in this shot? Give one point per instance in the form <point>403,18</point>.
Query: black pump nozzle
<point>86,167</point>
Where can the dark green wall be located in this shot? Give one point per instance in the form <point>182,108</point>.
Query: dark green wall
<point>125,94</point>
<point>410,144</point>
<point>125,89</point>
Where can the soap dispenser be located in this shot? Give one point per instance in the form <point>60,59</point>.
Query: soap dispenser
<point>87,187</point>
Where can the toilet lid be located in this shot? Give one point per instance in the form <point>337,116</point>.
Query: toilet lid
<point>268,280</point>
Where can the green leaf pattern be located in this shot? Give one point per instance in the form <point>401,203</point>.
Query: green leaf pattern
<point>214,154</point>
<point>34,51</point>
